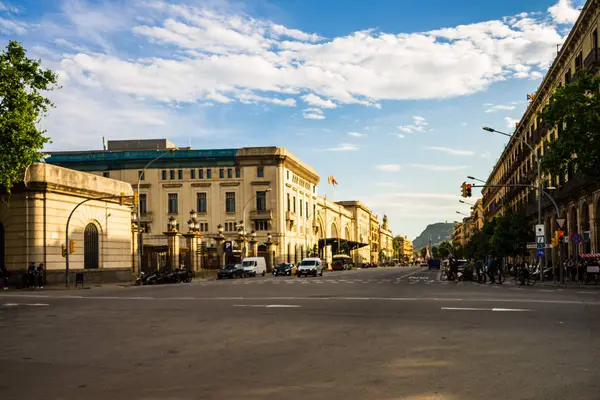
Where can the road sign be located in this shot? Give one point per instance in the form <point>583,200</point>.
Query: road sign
<point>533,246</point>
<point>228,246</point>
<point>560,222</point>
<point>540,239</point>
<point>576,238</point>
<point>539,230</point>
<point>540,252</point>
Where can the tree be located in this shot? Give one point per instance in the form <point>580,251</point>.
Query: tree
<point>21,107</point>
<point>575,110</point>
<point>423,252</point>
<point>435,252</point>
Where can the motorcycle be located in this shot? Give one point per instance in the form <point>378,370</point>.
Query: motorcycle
<point>183,275</point>
<point>146,279</point>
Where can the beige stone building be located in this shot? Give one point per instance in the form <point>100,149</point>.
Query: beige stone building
<point>264,190</point>
<point>33,221</point>
<point>578,197</point>
<point>386,238</point>
<point>405,250</point>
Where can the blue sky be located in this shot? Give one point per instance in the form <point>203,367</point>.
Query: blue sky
<point>387,96</point>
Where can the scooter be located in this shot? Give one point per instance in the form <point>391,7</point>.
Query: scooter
<point>146,279</point>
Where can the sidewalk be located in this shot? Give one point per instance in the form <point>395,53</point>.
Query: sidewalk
<point>589,286</point>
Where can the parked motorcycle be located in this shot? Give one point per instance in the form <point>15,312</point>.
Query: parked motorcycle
<point>146,279</point>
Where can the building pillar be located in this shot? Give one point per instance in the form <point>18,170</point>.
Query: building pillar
<point>253,247</point>
<point>593,233</point>
<point>241,242</point>
<point>173,244</point>
<point>269,244</point>
<point>192,240</point>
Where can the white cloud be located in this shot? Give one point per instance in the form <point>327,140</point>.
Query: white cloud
<point>4,7</point>
<point>448,150</point>
<point>511,122</point>
<point>389,185</point>
<point>314,100</point>
<point>9,27</point>
<point>399,135</point>
<point>433,167</point>
<point>280,30</point>
<point>498,107</point>
<point>464,124</point>
<point>313,110</point>
<point>419,125</point>
<point>563,12</point>
<point>342,147</point>
<point>357,134</point>
<point>389,167</point>
<point>314,116</point>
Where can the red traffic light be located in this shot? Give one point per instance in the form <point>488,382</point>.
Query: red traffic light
<point>468,186</point>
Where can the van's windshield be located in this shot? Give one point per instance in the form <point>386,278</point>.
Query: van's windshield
<point>309,262</point>
<point>249,263</point>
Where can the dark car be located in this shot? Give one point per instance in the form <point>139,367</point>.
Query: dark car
<point>284,269</point>
<point>231,271</point>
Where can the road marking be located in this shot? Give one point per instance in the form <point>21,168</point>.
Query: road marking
<point>587,292</point>
<point>410,274</point>
<point>26,304</point>
<point>268,305</point>
<point>486,309</point>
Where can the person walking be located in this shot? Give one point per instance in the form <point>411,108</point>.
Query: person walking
<point>41,276</point>
<point>4,275</point>
<point>491,269</point>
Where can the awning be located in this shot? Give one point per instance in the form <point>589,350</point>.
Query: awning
<point>590,256</point>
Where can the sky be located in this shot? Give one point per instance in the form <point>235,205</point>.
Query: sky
<point>387,96</point>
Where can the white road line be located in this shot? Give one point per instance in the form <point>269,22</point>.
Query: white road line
<point>411,274</point>
<point>486,309</point>
<point>38,305</point>
<point>268,305</point>
<point>587,292</point>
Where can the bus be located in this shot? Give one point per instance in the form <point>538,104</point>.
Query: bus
<point>341,262</point>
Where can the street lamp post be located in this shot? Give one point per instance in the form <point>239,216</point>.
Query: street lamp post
<point>243,222</point>
<point>139,213</point>
<point>539,179</point>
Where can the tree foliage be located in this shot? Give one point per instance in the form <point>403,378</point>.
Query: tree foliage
<point>21,106</point>
<point>506,235</point>
<point>576,109</point>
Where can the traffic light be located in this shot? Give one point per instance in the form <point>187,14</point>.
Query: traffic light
<point>72,246</point>
<point>136,199</point>
<point>561,236</point>
<point>468,190</point>
<point>63,249</point>
<point>463,189</point>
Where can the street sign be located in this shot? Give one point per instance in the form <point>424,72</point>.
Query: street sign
<point>228,246</point>
<point>539,230</point>
<point>533,246</point>
<point>540,252</point>
<point>541,246</point>
<point>560,222</point>
<point>540,239</point>
<point>576,238</point>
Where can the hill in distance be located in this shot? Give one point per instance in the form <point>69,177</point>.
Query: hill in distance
<point>439,232</point>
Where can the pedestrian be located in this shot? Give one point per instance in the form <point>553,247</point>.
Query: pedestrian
<point>41,278</point>
<point>28,275</point>
<point>492,269</point>
<point>4,275</point>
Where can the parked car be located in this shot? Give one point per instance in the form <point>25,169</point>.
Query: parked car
<point>231,271</point>
<point>254,266</point>
<point>310,266</point>
<point>285,269</point>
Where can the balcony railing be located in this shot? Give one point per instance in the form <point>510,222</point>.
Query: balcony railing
<point>146,217</point>
<point>592,60</point>
<point>261,214</point>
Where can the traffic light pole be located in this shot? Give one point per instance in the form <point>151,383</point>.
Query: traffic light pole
<point>67,231</point>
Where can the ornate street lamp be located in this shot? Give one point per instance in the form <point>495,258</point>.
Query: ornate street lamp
<point>172,224</point>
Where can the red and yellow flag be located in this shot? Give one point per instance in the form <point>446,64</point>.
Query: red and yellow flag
<point>331,180</point>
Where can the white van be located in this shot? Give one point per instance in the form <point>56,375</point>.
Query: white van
<point>310,266</point>
<point>253,266</point>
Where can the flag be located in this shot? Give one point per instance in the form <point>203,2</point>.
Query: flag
<point>331,180</point>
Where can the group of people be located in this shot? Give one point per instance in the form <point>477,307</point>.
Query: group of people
<point>34,277</point>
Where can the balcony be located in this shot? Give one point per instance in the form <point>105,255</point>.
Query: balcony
<point>146,217</point>
<point>592,60</point>
<point>261,215</point>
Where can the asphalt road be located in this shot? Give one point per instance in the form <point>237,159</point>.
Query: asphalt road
<point>396,333</point>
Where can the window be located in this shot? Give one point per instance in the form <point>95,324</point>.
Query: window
<point>200,174</point>
<point>261,201</point>
<point>106,174</point>
<point>288,175</point>
<point>231,226</point>
<point>229,173</point>
<point>172,209</point>
<point>314,214</point>
<point>221,173</point>
<point>260,172</point>
<point>595,39</point>
<point>230,202</point>
<point>143,203</point>
<point>180,174</point>
<point>294,204</point>
<point>164,175</point>
<point>141,175</point>
<point>172,174</point>
<point>209,173</point>
<point>289,205</point>
<point>238,173</point>
<point>201,202</point>
<point>568,76</point>
<point>145,227</point>
<point>306,209</point>
<point>300,207</point>
<point>203,226</point>
<point>314,188</point>
<point>261,225</point>
<point>192,173</point>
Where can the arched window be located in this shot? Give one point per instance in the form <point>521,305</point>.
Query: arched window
<point>90,247</point>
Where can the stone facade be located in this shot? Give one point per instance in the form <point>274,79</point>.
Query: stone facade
<point>33,222</point>
<point>260,189</point>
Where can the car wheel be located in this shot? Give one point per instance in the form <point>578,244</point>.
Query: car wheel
<point>321,274</point>
<point>263,273</point>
